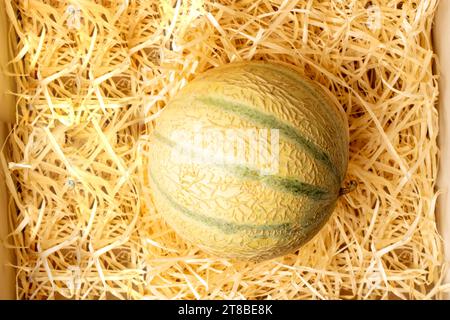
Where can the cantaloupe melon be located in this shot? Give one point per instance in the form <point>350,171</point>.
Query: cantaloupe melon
<point>238,209</point>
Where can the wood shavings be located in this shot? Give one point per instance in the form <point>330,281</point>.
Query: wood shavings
<point>92,76</point>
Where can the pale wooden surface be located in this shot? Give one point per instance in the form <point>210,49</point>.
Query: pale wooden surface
<point>6,114</point>
<point>7,278</point>
<point>7,101</point>
<point>442,45</point>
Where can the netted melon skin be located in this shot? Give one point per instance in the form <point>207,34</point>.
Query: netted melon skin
<point>230,212</point>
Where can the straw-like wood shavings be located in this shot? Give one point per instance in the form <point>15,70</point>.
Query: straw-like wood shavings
<point>92,76</point>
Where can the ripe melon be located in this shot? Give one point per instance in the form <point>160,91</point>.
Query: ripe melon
<point>233,207</point>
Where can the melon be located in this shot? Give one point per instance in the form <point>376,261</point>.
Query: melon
<point>248,160</point>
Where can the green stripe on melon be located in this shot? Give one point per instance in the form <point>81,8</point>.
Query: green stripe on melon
<point>224,226</point>
<point>271,122</point>
<point>292,158</point>
<point>286,184</point>
<point>235,210</point>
